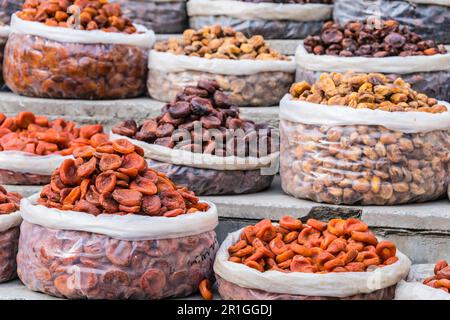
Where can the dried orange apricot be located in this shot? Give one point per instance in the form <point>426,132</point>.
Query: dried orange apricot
<point>110,162</point>
<point>205,289</point>
<point>105,182</point>
<point>123,146</point>
<point>68,173</point>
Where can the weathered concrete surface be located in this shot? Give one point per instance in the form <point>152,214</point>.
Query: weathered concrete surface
<point>108,112</point>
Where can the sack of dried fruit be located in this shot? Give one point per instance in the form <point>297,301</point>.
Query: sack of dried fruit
<point>426,282</point>
<point>361,139</point>
<point>426,17</point>
<point>4,34</point>
<point>32,147</point>
<point>380,46</point>
<point>285,19</point>
<point>200,141</point>
<point>7,8</point>
<point>248,70</point>
<point>76,49</point>
<point>161,16</point>
<point>341,259</point>
<point>108,227</point>
<point>9,233</point>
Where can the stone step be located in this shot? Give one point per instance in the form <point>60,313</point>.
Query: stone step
<point>422,231</point>
<point>108,112</point>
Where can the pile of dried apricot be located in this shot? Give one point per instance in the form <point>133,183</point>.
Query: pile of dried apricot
<point>365,91</point>
<point>441,278</point>
<point>114,178</point>
<point>38,135</point>
<point>9,201</point>
<point>317,247</point>
<point>77,14</point>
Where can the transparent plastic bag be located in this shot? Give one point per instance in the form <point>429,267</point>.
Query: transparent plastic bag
<point>253,90</point>
<point>363,162</point>
<point>268,19</point>
<point>160,16</point>
<point>269,29</point>
<point>7,8</point>
<point>231,291</point>
<point>427,18</point>
<point>76,264</point>
<point>9,177</point>
<point>9,241</point>
<point>214,182</point>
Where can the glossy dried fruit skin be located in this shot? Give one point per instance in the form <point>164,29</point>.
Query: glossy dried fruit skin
<point>113,179</point>
<point>387,38</point>
<point>105,268</point>
<point>315,249</point>
<point>441,278</point>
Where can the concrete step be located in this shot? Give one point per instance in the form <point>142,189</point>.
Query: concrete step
<point>108,112</point>
<point>422,231</point>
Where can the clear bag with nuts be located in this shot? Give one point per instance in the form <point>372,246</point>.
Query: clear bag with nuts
<point>236,281</point>
<point>8,8</point>
<point>268,19</point>
<point>57,62</point>
<point>343,155</point>
<point>247,83</point>
<point>426,17</point>
<point>167,17</point>
<point>9,240</point>
<point>161,257</point>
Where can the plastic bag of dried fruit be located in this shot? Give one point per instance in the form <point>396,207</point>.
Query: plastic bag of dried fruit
<point>333,153</point>
<point>10,220</point>
<point>425,17</point>
<point>242,281</point>
<point>413,288</point>
<point>76,56</point>
<point>115,230</point>
<point>32,147</point>
<point>7,8</point>
<point>4,34</point>
<point>256,78</point>
<point>429,74</point>
<point>162,16</point>
<point>271,20</point>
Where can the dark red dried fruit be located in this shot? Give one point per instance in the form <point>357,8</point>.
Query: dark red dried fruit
<point>126,128</point>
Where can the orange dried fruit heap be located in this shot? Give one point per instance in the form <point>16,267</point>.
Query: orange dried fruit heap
<point>114,178</point>
<point>38,135</point>
<point>9,201</point>
<point>441,278</point>
<point>315,247</point>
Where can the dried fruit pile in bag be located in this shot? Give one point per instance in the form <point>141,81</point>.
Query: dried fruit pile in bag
<point>9,233</point>
<point>359,90</point>
<point>441,277</point>
<point>204,106</point>
<point>113,178</point>
<point>216,42</point>
<point>38,135</point>
<point>78,14</point>
<point>316,247</point>
<point>379,38</point>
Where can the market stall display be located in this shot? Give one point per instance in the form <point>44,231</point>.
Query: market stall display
<point>161,16</point>
<point>108,227</point>
<point>426,282</point>
<point>389,48</point>
<point>31,146</point>
<point>361,139</point>
<point>341,259</point>
<point>271,19</point>
<point>90,52</point>
<point>426,17</point>
<point>9,233</point>
<point>8,8</point>
<point>248,70</point>
<point>200,141</point>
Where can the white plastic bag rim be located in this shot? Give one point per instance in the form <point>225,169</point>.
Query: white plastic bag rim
<point>318,114</point>
<point>19,161</point>
<point>128,227</point>
<point>145,39</point>
<point>200,160</point>
<point>400,65</point>
<point>169,62</point>
<point>5,31</point>
<point>303,12</point>
<point>340,284</point>
<point>8,221</point>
